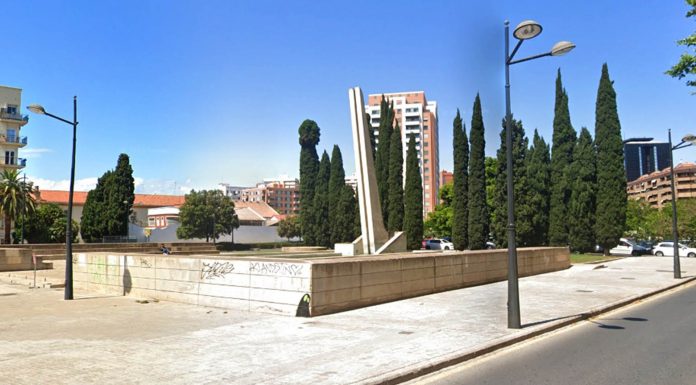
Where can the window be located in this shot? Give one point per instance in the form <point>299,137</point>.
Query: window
<point>9,157</point>
<point>425,152</point>
<point>11,135</point>
<point>426,136</point>
<point>425,143</point>
<point>11,109</point>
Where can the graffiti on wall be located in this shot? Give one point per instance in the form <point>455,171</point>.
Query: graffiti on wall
<point>216,269</point>
<point>275,268</point>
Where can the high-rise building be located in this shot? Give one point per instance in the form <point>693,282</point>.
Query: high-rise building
<point>416,116</point>
<point>11,122</point>
<point>644,156</point>
<point>281,194</point>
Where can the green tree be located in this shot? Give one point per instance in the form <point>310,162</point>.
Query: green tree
<point>396,179</point>
<point>38,224</point>
<point>320,206</point>
<point>337,180</point>
<point>16,196</point>
<point>344,227</point>
<point>386,122</point>
<point>610,220</point>
<point>491,167</point>
<point>460,206</point>
<point>439,224</point>
<point>120,197</point>
<point>57,230</point>
<point>523,214</point>
<point>641,219</point>
<point>413,198</point>
<point>290,227</point>
<point>94,222</point>
<point>539,193</point>
<point>309,168</point>
<point>687,62</point>
<point>581,210</point>
<point>478,208</point>
<point>206,214</point>
<point>564,138</point>
<point>371,132</point>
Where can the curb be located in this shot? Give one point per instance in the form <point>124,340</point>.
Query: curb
<point>427,367</point>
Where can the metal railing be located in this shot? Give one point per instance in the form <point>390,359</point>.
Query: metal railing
<point>14,115</point>
<point>14,139</point>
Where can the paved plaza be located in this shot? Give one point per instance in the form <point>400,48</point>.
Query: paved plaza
<point>116,340</point>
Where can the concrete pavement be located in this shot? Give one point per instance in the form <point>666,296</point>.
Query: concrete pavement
<point>115,340</point>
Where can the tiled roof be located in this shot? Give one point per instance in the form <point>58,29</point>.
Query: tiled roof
<point>260,208</point>
<point>141,200</point>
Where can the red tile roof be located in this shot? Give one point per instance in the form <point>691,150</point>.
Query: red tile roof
<point>141,200</point>
<point>260,208</point>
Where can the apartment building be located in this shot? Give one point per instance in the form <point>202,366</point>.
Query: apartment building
<point>644,156</point>
<point>11,122</point>
<point>283,195</point>
<point>417,117</point>
<point>656,188</point>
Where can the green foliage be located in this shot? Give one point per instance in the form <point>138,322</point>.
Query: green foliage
<point>16,197</point>
<point>581,210</point>
<point>309,167</point>
<point>320,206</point>
<point>460,199</point>
<point>37,224</point>
<point>439,222</point>
<point>610,220</point>
<point>523,212</point>
<point>539,193</point>
<point>643,221</point>
<point>478,208</point>
<point>687,62</point>
<point>386,122</point>
<point>93,224</point>
<point>57,230</point>
<point>564,138</point>
<point>343,229</point>
<point>371,132</point>
<point>290,227</point>
<point>447,194</point>
<point>413,198</point>
<point>491,166</point>
<point>206,214</point>
<point>395,221</point>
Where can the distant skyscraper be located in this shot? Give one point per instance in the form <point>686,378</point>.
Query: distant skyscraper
<point>416,116</point>
<point>644,156</point>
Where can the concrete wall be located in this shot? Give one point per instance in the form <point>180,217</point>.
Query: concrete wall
<point>14,259</point>
<point>278,285</point>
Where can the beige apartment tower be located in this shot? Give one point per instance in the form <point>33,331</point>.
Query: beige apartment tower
<point>11,122</point>
<point>416,116</point>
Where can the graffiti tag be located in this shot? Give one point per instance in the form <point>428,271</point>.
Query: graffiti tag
<point>275,268</point>
<point>216,269</point>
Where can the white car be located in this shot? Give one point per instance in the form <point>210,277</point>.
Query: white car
<point>627,247</point>
<point>667,248</point>
<point>438,244</point>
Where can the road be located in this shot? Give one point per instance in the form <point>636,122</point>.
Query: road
<point>650,343</point>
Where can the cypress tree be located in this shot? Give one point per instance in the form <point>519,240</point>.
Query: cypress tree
<point>309,167</point>
<point>564,138</point>
<point>382,158</point>
<point>93,223</point>
<point>320,205</point>
<point>460,201</point>
<point>581,211</point>
<point>478,209</point>
<point>539,194</point>
<point>121,194</point>
<point>611,175</point>
<point>396,180</point>
<point>336,182</point>
<point>413,200</point>
<point>523,227</point>
<point>371,132</point>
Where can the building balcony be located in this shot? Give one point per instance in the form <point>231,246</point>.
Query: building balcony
<point>19,141</point>
<point>13,116</point>
<point>11,163</point>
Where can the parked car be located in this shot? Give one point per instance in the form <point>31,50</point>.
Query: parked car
<point>627,247</point>
<point>667,248</point>
<point>490,245</point>
<point>438,244</point>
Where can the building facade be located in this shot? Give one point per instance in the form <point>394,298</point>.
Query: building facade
<point>656,188</point>
<point>282,195</point>
<point>644,156</point>
<point>446,177</point>
<point>11,122</point>
<point>417,117</point>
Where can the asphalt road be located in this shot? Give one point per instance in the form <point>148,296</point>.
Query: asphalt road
<point>650,343</point>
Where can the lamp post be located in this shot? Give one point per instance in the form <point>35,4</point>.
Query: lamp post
<point>687,141</point>
<point>527,29</point>
<point>38,109</point>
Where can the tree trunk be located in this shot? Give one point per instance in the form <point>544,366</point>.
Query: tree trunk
<point>8,224</point>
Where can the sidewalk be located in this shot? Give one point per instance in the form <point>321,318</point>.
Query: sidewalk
<point>115,340</point>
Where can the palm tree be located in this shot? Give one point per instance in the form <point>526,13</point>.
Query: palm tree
<point>16,196</point>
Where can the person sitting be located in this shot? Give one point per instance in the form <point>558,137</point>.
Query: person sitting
<point>164,249</point>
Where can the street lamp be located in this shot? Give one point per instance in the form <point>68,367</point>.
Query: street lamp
<point>526,30</point>
<point>38,109</point>
<point>686,141</point>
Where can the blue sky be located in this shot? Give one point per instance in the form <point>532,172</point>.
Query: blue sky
<point>202,92</point>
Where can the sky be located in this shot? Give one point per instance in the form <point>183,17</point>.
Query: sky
<point>203,92</point>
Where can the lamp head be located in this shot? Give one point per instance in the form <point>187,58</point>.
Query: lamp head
<point>689,138</point>
<point>527,29</point>
<point>562,48</point>
<point>37,109</point>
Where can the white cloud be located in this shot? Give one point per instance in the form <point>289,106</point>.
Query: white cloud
<point>142,186</point>
<point>85,184</point>
<point>33,153</point>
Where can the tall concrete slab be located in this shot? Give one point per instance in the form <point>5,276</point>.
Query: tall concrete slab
<point>374,235</point>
